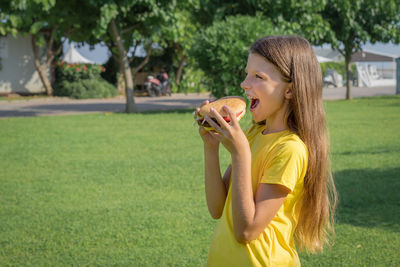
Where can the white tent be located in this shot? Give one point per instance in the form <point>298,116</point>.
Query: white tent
<point>323,59</point>
<point>73,56</point>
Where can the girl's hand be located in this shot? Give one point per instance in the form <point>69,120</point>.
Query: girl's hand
<point>229,134</point>
<point>208,139</point>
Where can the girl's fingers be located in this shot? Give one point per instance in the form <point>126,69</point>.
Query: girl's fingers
<point>202,130</point>
<point>223,124</point>
<point>216,135</point>
<point>232,115</point>
<point>213,124</point>
<point>196,112</point>
<point>206,102</point>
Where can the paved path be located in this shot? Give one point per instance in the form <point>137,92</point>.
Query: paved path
<point>340,93</point>
<point>65,106</point>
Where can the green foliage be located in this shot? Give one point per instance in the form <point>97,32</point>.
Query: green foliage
<point>112,69</point>
<point>136,20</point>
<point>337,22</point>
<point>178,33</point>
<point>356,22</point>
<point>221,51</point>
<point>192,81</point>
<point>37,26</point>
<point>49,22</point>
<point>340,67</point>
<point>41,16</point>
<point>86,88</point>
<point>302,17</point>
<point>181,26</point>
<point>79,71</point>
<point>82,81</point>
<point>107,12</point>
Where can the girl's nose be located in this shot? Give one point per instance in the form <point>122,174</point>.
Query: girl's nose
<point>245,85</point>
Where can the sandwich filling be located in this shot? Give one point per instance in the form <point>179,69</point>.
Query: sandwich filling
<point>202,122</point>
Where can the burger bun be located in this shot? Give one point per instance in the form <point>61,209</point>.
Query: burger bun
<point>236,103</point>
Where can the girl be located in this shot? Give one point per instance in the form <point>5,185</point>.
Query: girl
<point>278,187</point>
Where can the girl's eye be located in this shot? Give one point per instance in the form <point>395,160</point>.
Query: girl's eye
<point>258,76</point>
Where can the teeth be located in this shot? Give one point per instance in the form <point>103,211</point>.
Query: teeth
<point>251,98</point>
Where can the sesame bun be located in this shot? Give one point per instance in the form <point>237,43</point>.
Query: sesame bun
<point>236,103</point>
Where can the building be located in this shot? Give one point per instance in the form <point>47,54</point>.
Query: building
<point>333,55</point>
<point>385,63</point>
<point>373,68</point>
<point>18,74</point>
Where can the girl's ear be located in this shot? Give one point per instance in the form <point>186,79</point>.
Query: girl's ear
<point>288,91</point>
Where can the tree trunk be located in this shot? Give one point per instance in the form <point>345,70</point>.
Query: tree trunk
<point>41,69</point>
<point>145,61</point>
<point>179,71</point>
<point>123,60</point>
<point>348,70</point>
<point>120,80</point>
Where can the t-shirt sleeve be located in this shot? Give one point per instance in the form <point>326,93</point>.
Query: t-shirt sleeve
<point>286,165</point>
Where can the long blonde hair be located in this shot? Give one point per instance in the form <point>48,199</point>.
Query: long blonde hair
<point>295,59</point>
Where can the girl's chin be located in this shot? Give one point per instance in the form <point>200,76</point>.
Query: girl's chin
<point>256,118</point>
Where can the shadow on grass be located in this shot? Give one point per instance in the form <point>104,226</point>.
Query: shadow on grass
<point>369,197</point>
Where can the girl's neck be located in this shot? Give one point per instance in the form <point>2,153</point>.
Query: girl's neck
<point>269,129</point>
<point>275,123</point>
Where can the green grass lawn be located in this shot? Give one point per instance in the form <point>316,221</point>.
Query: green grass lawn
<point>123,190</point>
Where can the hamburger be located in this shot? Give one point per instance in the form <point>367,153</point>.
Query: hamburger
<point>236,103</point>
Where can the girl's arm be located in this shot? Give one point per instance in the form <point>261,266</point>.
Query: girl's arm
<point>252,215</point>
<point>214,184</point>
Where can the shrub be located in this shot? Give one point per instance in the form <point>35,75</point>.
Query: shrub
<point>82,81</point>
<point>74,72</point>
<point>85,88</point>
<point>222,49</point>
<point>191,82</point>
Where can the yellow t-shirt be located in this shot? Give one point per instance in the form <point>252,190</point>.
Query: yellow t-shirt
<point>277,158</point>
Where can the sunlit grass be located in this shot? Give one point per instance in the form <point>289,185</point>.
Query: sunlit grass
<point>128,189</point>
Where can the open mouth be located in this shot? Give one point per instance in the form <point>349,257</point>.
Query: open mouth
<point>254,103</point>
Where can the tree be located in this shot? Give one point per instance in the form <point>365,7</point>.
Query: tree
<point>221,51</point>
<point>345,24</point>
<point>179,35</point>
<point>217,52</point>
<point>301,17</point>
<point>356,22</point>
<point>47,22</point>
<point>123,24</point>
